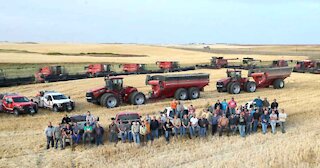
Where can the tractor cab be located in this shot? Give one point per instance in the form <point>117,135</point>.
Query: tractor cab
<point>114,83</point>
<point>234,74</point>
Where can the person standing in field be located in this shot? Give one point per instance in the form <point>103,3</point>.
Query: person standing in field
<point>113,128</point>
<point>274,104</point>
<point>143,133</point>
<point>214,123</point>
<point>129,133</point>
<point>123,131</point>
<point>259,103</point>
<point>203,123</point>
<point>224,106</point>
<point>266,103</point>
<point>242,125</point>
<point>273,121</point>
<point>176,126</point>
<point>180,110</point>
<point>167,126</point>
<point>87,132</point>
<point>67,135</point>
<point>99,131</point>
<point>217,104</point>
<point>194,126</point>
<point>49,132</point>
<point>223,124</point>
<point>173,105</point>
<point>148,132</point>
<point>58,135</point>
<point>232,104</point>
<point>135,129</point>
<point>249,121</point>
<point>264,121</point>
<point>233,121</point>
<point>256,118</point>
<point>191,110</point>
<point>154,126</point>
<point>282,120</point>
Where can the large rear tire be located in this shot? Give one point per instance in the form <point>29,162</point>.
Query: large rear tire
<point>137,98</point>
<point>278,84</point>
<point>194,93</point>
<point>109,100</point>
<point>181,94</point>
<point>234,88</point>
<point>250,86</point>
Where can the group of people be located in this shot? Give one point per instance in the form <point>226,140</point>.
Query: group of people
<point>177,122</point>
<point>70,132</point>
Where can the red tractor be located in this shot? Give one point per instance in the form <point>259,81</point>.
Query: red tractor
<point>179,86</point>
<point>98,70</point>
<point>263,78</point>
<point>134,68</point>
<point>114,93</point>
<point>16,104</point>
<point>168,65</point>
<point>51,73</point>
<point>304,66</point>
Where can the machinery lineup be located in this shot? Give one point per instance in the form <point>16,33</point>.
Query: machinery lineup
<point>60,73</point>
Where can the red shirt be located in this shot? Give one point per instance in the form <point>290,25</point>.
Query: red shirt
<point>232,104</point>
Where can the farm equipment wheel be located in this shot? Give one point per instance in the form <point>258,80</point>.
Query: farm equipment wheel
<point>181,94</point>
<point>228,87</point>
<point>16,112</point>
<point>278,84</point>
<point>137,98</point>
<point>55,108</point>
<point>250,86</point>
<point>194,93</point>
<point>234,88</point>
<point>109,100</point>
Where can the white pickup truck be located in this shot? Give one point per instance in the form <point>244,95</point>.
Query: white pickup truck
<point>54,100</point>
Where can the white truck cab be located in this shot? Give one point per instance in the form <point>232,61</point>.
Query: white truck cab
<point>55,101</point>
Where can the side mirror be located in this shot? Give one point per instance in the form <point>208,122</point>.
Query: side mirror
<point>69,97</point>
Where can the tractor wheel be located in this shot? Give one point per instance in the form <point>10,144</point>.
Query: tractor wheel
<point>137,98</point>
<point>109,100</point>
<point>181,94</point>
<point>194,93</point>
<point>278,84</point>
<point>234,88</point>
<point>16,112</point>
<point>55,108</point>
<point>228,87</point>
<point>250,86</point>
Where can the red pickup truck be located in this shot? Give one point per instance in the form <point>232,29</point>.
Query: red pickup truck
<point>16,104</point>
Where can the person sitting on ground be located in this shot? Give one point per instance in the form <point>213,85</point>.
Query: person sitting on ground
<point>57,135</point>
<point>214,123</point>
<point>154,126</point>
<point>87,132</point>
<point>77,134</point>
<point>242,124</point>
<point>224,106</point>
<point>194,126</point>
<point>90,117</point>
<point>123,131</point>
<point>256,119</point>
<point>274,104</point>
<point>49,132</point>
<point>66,119</point>
<point>67,135</point>
<point>143,133</point>
<point>233,122</point>
<point>282,120</point>
<point>203,123</point>
<point>185,126</point>
<point>135,129</point>
<point>99,131</point>
<point>113,129</point>
<point>232,104</point>
<point>273,121</point>
<point>223,125</point>
<point>191,110</point>
<point>266,103</point>
<point>167,126</point>
<point>265,121</point>
<point>177,126</point>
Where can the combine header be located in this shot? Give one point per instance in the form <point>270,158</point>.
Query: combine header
<point>263,78</point>
<point>55,73</point>
<point>5,81</point>
<point>98,70</point>
<point>217,63</point>
<point>311,66</point>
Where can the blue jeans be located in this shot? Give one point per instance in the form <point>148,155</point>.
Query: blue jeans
<point>99,140</point>
<point>242,130</point>
<point>148,137</point>
<point>264,127</point>
<point>282,127</point>
<point>167,135</point>
<point>76,138</point>
<point>176,130</point>
<point>155,134</point>
<point>136,138</point>
<point>273,126</point>
<point>255,125</point>
<point>50,141</point>
<point>194,130</point>
<point>249,128</point>
<point>232,111</point>
<point>203,131</point>
<point>124,136</point>
<point>113,137</point>
<point>130,136</point>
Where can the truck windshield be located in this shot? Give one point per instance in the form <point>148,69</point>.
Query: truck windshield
<point>20,99</point>
<point>128,117</point>
<point>59,97</point>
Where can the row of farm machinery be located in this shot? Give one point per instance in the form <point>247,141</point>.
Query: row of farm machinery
<point>60,73</point>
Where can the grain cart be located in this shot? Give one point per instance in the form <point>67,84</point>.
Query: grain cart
<point>217,63</point>
<point>304,66</point>
<point>98,70</point>
<point>114,93</point>
<point>179,86</point>
<point>263,78</point>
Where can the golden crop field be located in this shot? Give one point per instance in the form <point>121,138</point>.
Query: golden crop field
<point>22,139</point>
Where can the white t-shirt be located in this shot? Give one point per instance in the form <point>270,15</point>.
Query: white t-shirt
<point>282,117</point>
<point>194,121</point>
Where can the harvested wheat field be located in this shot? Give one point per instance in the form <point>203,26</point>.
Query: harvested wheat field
<point>22,139</point>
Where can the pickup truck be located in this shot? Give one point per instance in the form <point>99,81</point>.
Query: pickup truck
<point>54,100</point>
<point>17,104</point>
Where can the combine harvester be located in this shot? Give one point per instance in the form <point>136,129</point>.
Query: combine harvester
<point>55,73</point>
<point>182,87</point>
<point>263,78</point>
<point>5,81</point>
<point>217,63</point>
<point>304,66</point>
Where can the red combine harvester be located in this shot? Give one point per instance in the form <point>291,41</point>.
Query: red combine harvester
<point>134,68</point>
<point>280,63</point>
<point>217,63</point>
<point>263,78</point>
<point>316,69</point>
<point>114,93</point>
<point>55,73</point>
<point>304,66</point>
<point>98,70</point>
<point>180,86</point>
<point>168,65</point>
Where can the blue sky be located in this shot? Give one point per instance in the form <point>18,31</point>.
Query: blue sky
<point>161,21</point>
